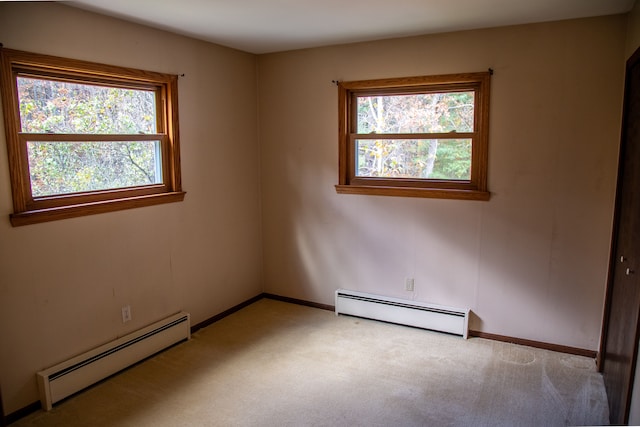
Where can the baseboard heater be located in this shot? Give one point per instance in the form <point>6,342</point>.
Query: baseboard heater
<point>404,312</point>
<point>67,378</point>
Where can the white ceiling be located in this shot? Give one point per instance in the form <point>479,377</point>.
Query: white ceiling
<point>263,26</point>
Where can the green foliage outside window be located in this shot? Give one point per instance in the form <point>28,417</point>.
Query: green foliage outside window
<point>61,167</point>
<point>434,158</point>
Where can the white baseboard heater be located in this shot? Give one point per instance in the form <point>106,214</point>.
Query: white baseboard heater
<point>67,378</point>
<point>404,312</point>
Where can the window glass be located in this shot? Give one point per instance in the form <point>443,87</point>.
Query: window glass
<point>59,167</point>
<point>448,159</point>
<point>53,106</point>
<point>420,113</point>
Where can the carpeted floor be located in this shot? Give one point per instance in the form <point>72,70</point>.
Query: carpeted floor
<point>279,364</point>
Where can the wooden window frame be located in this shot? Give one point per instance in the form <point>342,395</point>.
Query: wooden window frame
<point>473,189</point>
<point>28,209</point>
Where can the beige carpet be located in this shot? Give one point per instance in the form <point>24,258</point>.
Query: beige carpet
<point>278,364</point>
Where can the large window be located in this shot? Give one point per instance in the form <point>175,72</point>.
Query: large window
<point>417,136</point>
<point>87,138</point>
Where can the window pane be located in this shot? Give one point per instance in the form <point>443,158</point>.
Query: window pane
<point>72,167</point>
<point>444,159</point>
<point>421,113</point>
<point>50,106</point>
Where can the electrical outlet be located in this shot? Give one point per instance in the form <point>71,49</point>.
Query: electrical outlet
<point>126,313</point>
<point>408,284</point>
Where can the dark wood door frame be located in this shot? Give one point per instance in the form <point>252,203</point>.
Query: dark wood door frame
<point>618,363</point>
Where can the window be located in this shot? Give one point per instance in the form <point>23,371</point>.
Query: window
<point>415,136</point>
<point>85,138</point>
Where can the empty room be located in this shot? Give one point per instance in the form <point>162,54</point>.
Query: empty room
<point>319,213</point>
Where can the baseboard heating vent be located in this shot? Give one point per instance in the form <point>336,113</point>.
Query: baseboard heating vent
<point>404,312</point>
<point>67,378</point>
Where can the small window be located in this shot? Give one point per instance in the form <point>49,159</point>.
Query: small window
<point>87,138</point>
<point>415,137</point>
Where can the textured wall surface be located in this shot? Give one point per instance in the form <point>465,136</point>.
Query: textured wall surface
<point>62,283</point>
<point>531,262</point>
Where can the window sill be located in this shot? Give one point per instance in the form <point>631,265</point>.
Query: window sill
<point>73,211</point>
<point>432,193</point>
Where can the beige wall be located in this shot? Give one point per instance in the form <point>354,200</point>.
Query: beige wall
<point>62,284</point>
<point>530,263</point>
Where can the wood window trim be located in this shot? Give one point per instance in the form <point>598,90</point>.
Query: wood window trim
<point>26,209</point>
<point>474,189</point>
